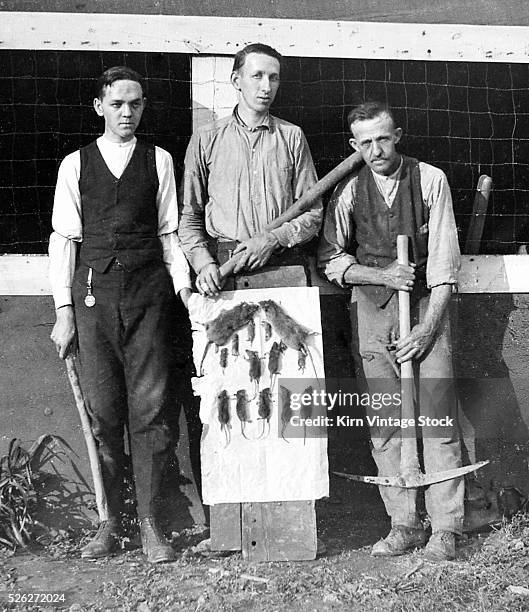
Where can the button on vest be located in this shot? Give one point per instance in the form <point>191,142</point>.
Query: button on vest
<point>378,226</point>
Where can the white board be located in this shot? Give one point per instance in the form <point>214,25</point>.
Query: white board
<point>258,461</point>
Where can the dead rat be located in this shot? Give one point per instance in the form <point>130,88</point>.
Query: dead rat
<point>221,329</point>
<point>274,360</point>
<point>267,330</point>
<point>286,409</point>
<point>251,331</point>
<point>305,411</point>
<point>242,410</point>
<point>265,409</point>
<point>235,345</point>
<point>223,359</point>
<point>254,371</point>
<point>223,414</point>
<point>293,334</point>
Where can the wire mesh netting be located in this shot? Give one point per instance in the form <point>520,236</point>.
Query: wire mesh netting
<point>467,118</point>
<point>46,112</point>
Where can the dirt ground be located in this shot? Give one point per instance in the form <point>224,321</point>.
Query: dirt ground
<point>491,572</point>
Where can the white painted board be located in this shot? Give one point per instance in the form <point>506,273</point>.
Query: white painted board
<point>255,463</point>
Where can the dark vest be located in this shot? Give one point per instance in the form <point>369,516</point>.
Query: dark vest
<point>120,217</point>
<point>378,226</point>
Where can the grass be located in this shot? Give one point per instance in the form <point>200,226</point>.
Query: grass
<point>20,472</point>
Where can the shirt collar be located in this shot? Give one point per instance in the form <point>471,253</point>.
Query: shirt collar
<point>266,124</point>
<point>391,177</point>
<point>117,145</point>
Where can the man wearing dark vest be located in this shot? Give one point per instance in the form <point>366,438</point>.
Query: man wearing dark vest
<point>115,268</point>
<point>394,194</point>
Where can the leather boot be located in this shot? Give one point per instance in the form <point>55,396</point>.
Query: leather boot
<point>399,540</point>
<point>154,544</point>
<point>105,541</point>
<point>441,546</point>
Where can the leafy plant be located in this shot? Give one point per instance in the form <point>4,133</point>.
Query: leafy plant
<point>20,471</point>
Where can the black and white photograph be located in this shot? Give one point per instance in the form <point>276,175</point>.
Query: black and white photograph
<point>264,305</point>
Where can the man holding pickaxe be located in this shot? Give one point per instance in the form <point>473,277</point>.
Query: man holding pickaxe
<point>397,195</point>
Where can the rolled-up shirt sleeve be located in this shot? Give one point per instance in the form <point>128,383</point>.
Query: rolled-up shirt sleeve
<point>67,230</point>
<point>444,259</point>
<point>308,224</point>
<point>334,258</point>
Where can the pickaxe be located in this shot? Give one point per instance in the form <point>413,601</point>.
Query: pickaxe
<point>410,476</point>
<point>95,466</point>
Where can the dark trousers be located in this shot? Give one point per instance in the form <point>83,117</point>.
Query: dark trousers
<point>126,350</point>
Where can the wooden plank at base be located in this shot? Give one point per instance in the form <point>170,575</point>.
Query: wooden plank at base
<point>225,526</point>
<point>279,531</point>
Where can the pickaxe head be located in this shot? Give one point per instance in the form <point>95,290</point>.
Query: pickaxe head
<point>415,479</point>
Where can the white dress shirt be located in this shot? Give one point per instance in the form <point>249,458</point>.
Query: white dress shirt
<point>67,217</point>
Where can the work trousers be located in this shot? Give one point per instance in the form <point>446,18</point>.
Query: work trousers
<point>375,328</point>
<point>126,349</point>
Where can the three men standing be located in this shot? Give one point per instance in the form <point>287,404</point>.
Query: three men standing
<point>114,250</point>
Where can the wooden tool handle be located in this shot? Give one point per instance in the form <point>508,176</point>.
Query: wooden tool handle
<point>330,180</point>
<point>406,368</point>
<point>93,457</point>
<point>409,457</point>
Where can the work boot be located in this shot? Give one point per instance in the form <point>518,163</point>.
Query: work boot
<point>154,545</point>
<point>399,540</point>
<point>105,541</point>
<point>441,546</point>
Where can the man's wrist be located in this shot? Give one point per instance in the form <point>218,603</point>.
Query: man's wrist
<point>209,263</point>
<point>274,241</point>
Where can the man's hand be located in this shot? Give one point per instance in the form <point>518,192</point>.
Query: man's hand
<point>185,294</point>
<point>256,251</point>
<point>64,333</point>
<point>416,344</point>
<point>208,280</point>
<point>398,276</point>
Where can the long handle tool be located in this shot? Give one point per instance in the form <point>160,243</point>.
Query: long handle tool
<point>332,178</point>
<point>410,475</point>
<point>95,466</point>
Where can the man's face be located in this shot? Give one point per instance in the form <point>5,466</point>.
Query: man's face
<point>257,81</point>
<point>375,139</point>
<point>122,107</point>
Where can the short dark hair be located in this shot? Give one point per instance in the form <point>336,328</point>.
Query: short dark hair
<point>240,56</point>
<point>117,73</point>
<point>369,110</point>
